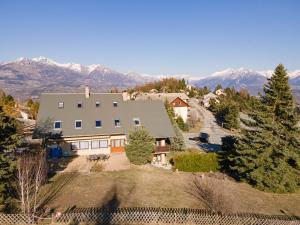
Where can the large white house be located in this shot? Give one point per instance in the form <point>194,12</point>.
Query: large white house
<point>99,123</point>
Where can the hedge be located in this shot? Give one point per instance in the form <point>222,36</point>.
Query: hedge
<point>196,162</point>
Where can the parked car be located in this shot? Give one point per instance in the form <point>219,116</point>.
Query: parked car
<point>204,137</point>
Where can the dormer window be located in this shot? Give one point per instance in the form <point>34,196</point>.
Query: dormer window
<point>98,123</point>
<point>78,124</point>
<point>79,104</point>
<point>115,104</point>
<point>60,105</point>
<point>117,123</point>
<point>97,104</point>
<point>57,125</point>
<point>136,121</point>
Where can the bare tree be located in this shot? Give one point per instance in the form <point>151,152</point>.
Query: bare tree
<point>31,174</point>
<point>212,193</point>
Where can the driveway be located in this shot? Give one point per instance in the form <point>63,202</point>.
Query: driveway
<point>209,126</point>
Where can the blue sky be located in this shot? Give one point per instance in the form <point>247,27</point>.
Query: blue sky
<point>155,36</point>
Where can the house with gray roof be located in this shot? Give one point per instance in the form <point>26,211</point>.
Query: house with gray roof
<point>178,101</point>
<point>99,123</point>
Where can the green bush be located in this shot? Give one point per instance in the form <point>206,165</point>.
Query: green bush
<point>196,162</point>
<point>140,146</point>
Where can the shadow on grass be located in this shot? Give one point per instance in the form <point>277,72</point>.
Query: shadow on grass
<point>104,214</point>
<point>55,187</point>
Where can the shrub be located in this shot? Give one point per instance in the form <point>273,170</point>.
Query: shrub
<point>196,162</point>
<point>177,142</point>
<point>183,126</point>
<point>140,146</point>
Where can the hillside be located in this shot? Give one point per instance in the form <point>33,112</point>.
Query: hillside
<point>29,77</point>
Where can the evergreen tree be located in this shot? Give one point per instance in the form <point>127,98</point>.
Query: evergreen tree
<point>140,146</point>
<point>177,142</point>
<point>219,86</point>
<point>8,140</point>
<point>230,116</point>
<point>279,99</point>
<point>170,110</point>
<point>269,156</point>
<point>183,126</point>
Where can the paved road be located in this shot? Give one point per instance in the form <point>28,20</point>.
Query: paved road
<point>209,126</point>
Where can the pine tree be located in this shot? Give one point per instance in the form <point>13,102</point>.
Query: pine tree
<point>268,156</point>
<point>140,146</point>
<point>8,140</point>
<point>219,86</point>
<point>177,142</point>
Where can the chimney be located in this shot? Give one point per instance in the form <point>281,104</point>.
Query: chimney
<point>87,92</point>
<point>125,96</point>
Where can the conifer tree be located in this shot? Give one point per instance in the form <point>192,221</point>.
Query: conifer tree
<point>177,142</point>
<point>268,156</point>
<point>140,146</point>
<point>8,140</point>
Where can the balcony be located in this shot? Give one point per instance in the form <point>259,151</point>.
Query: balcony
<point>162,149</point>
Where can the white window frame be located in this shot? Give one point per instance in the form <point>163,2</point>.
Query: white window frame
<point>97,104</point>
<point>136,119</point>
<point>88,145</point>
<point>60,105</point>
<point>80,123</point>
<point>119,123</point>
<point>100,122</point>
<point>57,121</point>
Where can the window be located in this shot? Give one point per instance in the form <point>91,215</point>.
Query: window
<point>103,144</point>
<point>98,123</point>
<point>117,123</point>
<point>115,104</point>
<point>60,105</point>
<point>84,144</point>
<point>57,125</point>
<point>99,144</point>
<point>97,104</point>
<point>136,122</point>
<point>79,104</point>
<point>75,145</point>
<point>117,143</point>
<point>78,124</point>
<point>95,144</point>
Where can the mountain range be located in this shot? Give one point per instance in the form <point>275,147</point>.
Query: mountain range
<point>250,79</point>
<point>26,77</point>
<point>29,77</point>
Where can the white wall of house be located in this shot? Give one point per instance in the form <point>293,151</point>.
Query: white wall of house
<point>181,111</point>
<point>67,143</point>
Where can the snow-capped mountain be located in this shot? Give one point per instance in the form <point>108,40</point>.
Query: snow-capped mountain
<point>238,78</point>
<point>26,77</point>
<point>244,78</point>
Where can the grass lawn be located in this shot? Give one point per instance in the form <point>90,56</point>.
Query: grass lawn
<point>151,187</point>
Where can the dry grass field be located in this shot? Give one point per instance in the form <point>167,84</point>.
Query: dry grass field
<point>151,187</point>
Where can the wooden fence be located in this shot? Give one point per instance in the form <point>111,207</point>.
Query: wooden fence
<point>155,216</point>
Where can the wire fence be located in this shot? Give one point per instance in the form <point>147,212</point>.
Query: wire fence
<point>151,216</point>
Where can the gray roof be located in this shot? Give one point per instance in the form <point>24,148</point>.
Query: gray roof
<point>152,115</point>
<point>162,96</point>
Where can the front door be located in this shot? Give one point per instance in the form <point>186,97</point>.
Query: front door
<point>117,145</point>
